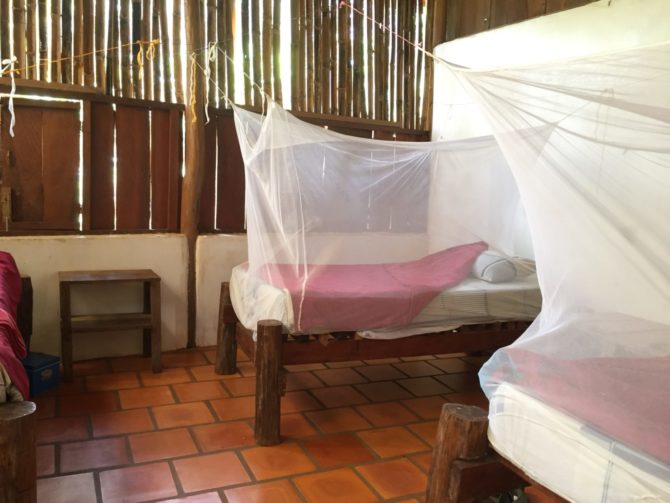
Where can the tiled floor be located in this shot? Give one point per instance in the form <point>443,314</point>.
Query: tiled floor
<point>354,431</point>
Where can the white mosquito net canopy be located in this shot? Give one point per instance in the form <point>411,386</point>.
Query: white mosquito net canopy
<point>364,233</point>
<point>583,146</point>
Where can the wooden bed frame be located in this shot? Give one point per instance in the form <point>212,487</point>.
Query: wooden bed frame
<point>272,350</point>
<point>465,468</point>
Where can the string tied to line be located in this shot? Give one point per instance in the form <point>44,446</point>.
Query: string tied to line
<point>7,68</point>
<point>149,54</point>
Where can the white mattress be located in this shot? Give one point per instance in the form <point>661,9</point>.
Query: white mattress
<point>472,301</point>
<point>568,457</point>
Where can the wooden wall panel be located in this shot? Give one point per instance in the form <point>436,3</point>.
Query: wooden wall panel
<point>133,161</point>
<point>207,196</point>
<point>505,12</point>
<point>559,5</point>
<point>102,167</point>
<point>166,142</point>
<point>230,203</point>
<point>60,147</point>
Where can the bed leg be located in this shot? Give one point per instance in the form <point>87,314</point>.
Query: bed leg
<point>461,435</point>
<point>268,382</point>
<point>226,344</point>
<point>18,472</point>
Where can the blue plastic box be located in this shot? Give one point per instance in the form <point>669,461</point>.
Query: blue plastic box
<point>43,372</point>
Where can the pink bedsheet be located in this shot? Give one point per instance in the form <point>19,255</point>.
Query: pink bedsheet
<point>355,297</point>
<point>627,399</point>
<point>12,347</point>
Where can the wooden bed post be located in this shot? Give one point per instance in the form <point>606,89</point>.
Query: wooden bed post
<point>268,386</point>
<point>226,345</point>
<point>461,434</point>
<point>18,472</point>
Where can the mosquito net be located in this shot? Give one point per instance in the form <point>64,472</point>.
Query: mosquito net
<point>588,142</point>
<point>364,233</point>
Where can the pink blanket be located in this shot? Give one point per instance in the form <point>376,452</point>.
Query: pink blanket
<point>12,347</point>
<point>627,399</point>
<point>356,297</point>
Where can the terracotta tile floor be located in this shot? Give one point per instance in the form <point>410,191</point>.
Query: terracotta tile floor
<point>353,431</point>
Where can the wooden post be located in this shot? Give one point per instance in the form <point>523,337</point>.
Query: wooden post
<point>211,84</point>
<point>461,434</point>
<point>147,66</point>
<point>309,31</point>
<point>230,49</point>
<point>266,53</point>
<point>176,44</point>
<point>65,331</point>
<point>66,50</point>
<point>246,51</point>
<point>226,344</point>
<point>268,376</point>
<point>194,155</point>
<point>257,53</point>
<point>18,468</point>
<point>301,55</point>
<point>88,20</point>
<point>43,65</point>
<point>126,50</point>
<point>101,58</point>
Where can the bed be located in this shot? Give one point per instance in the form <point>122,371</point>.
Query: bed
<point>591,450</point>
<point>468,315</point>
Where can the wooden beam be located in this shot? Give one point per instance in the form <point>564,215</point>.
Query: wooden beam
<point>194,154</point>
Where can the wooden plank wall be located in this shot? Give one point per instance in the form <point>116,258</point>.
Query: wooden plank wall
<point>339,61</point>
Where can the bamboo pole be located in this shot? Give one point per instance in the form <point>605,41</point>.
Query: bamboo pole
<point>194,156</point>
<point>5,18</point>
<point>343,60</point>
<point>20,35</point>
<point>211,84</point>
<point>302,56</point>
<point>56,40</point>
<point>410,70</point>
<point>89,24</point>
<point>266,53</point>
<point>324,56</point>
<point>147,68</point>
<point>230,48</point>
<point>222,30</point>
<point>66,50</point>
<point>43,66</point>
<point>100,57</point>
<point>435,34</point>
<point>316,13</point>
<point>276,50</point>
<point>309,30</point>
<point>78,34</point>
<point>420,67</point>
<point>256,53</point>
<point>400,64</point>
<point>358,84</point>
<point>372,59</point>
<point>31,49</point>
<point>246,51</point>
<point>380,61</point>
<point>295,48</point>
<point>114,59</point>
<point>126,50</point>
<point>176,47</point>
<point>157,61</point>
<point>165,51</point>
<point>334,105</point>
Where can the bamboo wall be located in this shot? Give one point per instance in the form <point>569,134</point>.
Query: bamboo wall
<point>338,61</point>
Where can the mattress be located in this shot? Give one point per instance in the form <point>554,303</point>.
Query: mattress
<point>568,456</point>
<point>471,301</point>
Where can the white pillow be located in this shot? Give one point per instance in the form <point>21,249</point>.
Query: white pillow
<point>494,268</point>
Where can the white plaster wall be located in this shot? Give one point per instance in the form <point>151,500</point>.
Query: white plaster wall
<point>41,257</point>
<point>594,28</point>
<point>216,255</point>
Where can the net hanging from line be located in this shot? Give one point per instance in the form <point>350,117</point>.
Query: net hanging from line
<point>583,146</point>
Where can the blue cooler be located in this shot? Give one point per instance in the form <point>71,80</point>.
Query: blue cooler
<point>43,372</point>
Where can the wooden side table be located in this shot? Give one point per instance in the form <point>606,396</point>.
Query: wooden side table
<point>149,320</point>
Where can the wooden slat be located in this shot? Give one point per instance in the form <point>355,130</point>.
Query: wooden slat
<point>230,202</point>
<point>5,17</point>
<point>256,54</point>
<point>230,48</point>
<point>147,70</point>
<point>126,50</point>
<point>317,58</point>
<point>222,30</point>
<point>42,41</point>
<point>212,82</point>
<point>246,51</point>
<point>302,57</point>
<point>276,51</point>
<point>19,17</point>
<point>66,52</point>
<point>176,45</point>
<point>334,32</point>
<point>358,91</point>
<point>56,40</point>
<point>157,62</point>
<point>60,150</point>
<point>309,55</point>
<point>266,53</point>
<point>162,166</point>
<point>560,5</point>
<point>504,12</point>
<point>102,167</point>
<point>110,322</point>
<point>295,48</point>
<point>31,49</point>
<point>207,197</point>
<point>88,27</point>
<point>101,57</point>
<point>132,147</point>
